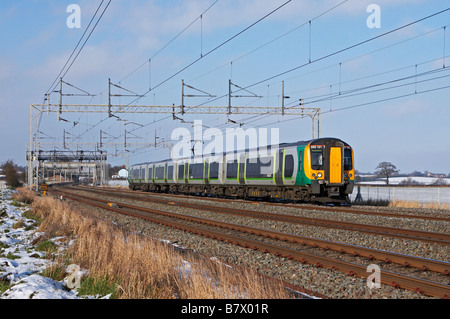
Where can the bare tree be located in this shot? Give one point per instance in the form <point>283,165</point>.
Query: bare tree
<point>11,171</point>
<point>386,169</point>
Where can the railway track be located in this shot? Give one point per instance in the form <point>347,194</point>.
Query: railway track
<point>425,236</point>
<point>234,235</point>
<point>347,210</point>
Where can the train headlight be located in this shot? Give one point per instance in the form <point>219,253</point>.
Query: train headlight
<point>319,175</point>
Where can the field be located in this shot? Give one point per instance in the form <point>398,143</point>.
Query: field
<point>415,196</point>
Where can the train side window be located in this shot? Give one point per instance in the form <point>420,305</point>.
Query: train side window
<point>232,169</point>
<point>259,168</point>
<point>181,171</point>
<point>159,172</point>
<point>150,173</point>
<point>288,166</point>
<point>214,170</point>
<point>196,171</point>
<point>170,172</point>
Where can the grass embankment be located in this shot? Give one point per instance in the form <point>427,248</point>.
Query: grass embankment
<point>131,266</point>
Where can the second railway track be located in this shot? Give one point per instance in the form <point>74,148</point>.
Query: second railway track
<point>425,236</point>
<point>426,287</point>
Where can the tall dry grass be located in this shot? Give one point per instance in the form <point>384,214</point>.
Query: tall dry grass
<point>414,204</point>
<point>142,267</point>
<point>24,195</point>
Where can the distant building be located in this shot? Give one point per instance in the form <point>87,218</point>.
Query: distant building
<point>436,175</point>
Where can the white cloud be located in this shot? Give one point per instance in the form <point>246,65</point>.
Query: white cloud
<point>409,107</point>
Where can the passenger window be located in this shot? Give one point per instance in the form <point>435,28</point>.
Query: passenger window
<point>214,170</point>
<point>170,172</point>
<point>232,169</point>
<point>259,168</point>
<point>288,166</point>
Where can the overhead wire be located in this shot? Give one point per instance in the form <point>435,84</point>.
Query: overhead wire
<point>161,49</point>
<point>337,52</point>
<point>213,50</point>
<point>258,48</point>
<point>168,43</point>
<point>52,87</point>
<point>341,51</point>
<point>310,62</point>
<point>206,54</point>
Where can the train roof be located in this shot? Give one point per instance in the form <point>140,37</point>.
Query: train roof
<point>282,145</point>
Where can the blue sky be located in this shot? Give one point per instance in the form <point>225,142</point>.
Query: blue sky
<point>387,97</point>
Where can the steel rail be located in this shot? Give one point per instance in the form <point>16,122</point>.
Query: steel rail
<point>420,235</point>
<point>349,210</point>
<point>396,280</point>
<point>371,253</point>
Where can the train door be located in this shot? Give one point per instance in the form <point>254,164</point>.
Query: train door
<point>165,172</point>
<point>206,168</point>
<point>241,163</point>
<point>335,165</point>
<point>279,167</point>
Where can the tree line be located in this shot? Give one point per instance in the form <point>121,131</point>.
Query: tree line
<point>387,170</point>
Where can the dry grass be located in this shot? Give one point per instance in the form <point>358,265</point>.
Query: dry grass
<point>140,267</point>
<point>24,195</point>
<point>413,204</point>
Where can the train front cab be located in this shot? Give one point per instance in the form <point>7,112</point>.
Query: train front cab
<point>329,167</point>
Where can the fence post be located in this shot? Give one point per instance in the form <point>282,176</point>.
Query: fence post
<point>439,197</point>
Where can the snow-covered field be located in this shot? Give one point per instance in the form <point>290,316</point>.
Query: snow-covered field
<point>425,192</point>
<point>424,195</point>
<point>20,262</point>
<point>418,179</point>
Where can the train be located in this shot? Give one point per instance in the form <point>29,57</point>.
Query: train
<point>319,171</point>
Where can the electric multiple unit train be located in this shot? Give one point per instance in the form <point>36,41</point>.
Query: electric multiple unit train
<point>319,170</point>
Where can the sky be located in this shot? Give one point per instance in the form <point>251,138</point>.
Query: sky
<point>382,88</point>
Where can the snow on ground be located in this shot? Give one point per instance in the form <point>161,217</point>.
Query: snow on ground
<point>20,262</point>
<point>425,192</point>
<point>118,183</point>
<point>397,180</point>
